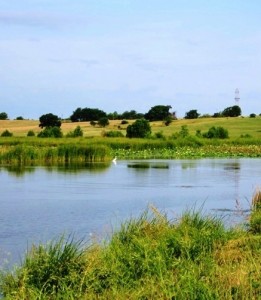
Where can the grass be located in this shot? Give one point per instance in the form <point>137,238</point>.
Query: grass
<point>235,126</point>
<point>149,257</point>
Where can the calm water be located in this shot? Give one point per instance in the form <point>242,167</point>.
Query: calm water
<point>41,203</point>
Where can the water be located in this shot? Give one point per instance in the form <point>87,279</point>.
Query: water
<point>41,203</point>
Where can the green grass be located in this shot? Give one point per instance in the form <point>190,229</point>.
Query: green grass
<point>149,257</point>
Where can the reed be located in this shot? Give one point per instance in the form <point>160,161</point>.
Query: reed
<point>148,257</point>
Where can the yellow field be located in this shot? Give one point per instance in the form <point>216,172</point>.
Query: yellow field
<point>235,126</point>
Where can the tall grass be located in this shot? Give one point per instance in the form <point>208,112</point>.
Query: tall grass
<point>149,257</point>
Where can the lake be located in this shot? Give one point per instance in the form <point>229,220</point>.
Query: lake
<point>41,203</point>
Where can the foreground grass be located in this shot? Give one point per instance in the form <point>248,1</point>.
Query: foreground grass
<point>151,257</point>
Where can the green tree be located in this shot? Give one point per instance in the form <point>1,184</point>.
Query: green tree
<point>232,111</point>
<point>139,129</point>
<point>103,122</point>
<point>87,114</point>
<point>192,114</point>
<point>49,120</point>
<point>158,113</point>
<point>3,116</point>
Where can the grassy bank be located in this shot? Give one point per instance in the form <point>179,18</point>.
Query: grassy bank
<point>151,257</point>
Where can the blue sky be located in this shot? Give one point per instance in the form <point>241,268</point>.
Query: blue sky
<point>118,55</point>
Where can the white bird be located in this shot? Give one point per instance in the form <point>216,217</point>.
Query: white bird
<point>114,160</point>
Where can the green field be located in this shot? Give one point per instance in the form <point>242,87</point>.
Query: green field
<point>235,126</point>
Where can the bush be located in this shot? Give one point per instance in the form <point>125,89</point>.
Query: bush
<point>6,133</point>
<point>103,122</point>
<point>76,133</point>
<point>54,132</point>
<point>112,133</point>
<point>216,133</point>
<point>159,135</point>
<point>30,133</point>
<point>139,129</point>
<point>252,115</point>
<point>123,122</point>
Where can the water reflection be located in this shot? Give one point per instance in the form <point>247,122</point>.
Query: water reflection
<point>95,167</point>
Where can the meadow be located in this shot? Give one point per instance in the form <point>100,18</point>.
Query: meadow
<point>149,257</point>
<point>241,126</point>
<point>166,142</point>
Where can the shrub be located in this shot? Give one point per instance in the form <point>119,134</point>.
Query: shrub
<point>139,129</point>
<point>93,123</point>
<point>30,133</point>
<point>55,132</point>
<point>216,133</point>
<point>123,122</point>
<point>112,133</point>
<point>252,115</point>
<point>159,135</point>
<point>6,133</point>
<point>103,122</point>
<point>77,132</point>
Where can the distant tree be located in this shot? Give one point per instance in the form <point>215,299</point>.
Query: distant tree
<point>139,129</point>
<point>113,116</point>
<point>131,115</point>
<point>49,120</point>
<point>103,122</point>
<point>232,111</point>
<point>252,115</point>
<point>158,113</point>
<point>3,116</point>
<point>217,115</point>
<point>87,114</point>
<point>192,114</point>
<point>20,118</point>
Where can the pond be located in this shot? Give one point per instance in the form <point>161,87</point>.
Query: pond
<point>41,203</point>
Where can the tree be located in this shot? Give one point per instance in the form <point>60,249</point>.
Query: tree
<point>139,129</point>
<point>49,120</point>
<point>103,122</point>
<point>192,114</point>
<point>3,116</point>
<point>232,111</point>
<point>158,113</point>
<point>87,114</point>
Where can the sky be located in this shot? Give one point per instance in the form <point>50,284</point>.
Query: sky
<point>121,55</point>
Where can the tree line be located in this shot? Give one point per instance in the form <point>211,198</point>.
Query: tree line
<point>156,113</point>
